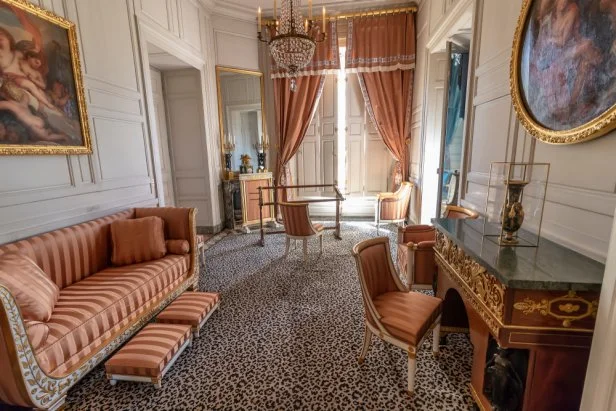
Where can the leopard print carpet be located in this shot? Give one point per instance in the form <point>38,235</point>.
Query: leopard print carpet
<point>287,336</point>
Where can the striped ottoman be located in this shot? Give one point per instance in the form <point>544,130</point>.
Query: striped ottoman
<point>192,308</point>
<point>150,354</point>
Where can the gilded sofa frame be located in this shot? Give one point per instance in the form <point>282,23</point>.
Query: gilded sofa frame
<point>40,390</point>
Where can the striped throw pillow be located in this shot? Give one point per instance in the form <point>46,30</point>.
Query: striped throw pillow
<point>35,293</point>
<point>137,240</point>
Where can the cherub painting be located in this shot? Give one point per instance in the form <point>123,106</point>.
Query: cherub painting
<point>567,65</point>
<point>41,93</point>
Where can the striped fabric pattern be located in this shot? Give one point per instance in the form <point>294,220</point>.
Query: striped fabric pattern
<point>177,246</point>
<point>137,240</point>
<point>72,253</point>
<point>37,333</point>
<point>296,219</point>
<point>189,308</point>
<point>89,311</point>
<point>177,220</point>
<point>147,354</point>
<point>34,292</point>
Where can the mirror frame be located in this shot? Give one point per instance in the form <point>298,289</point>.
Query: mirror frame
<point>221,125</point>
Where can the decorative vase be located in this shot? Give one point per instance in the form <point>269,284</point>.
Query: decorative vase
<point>512,214</point>
<point>246,166</point>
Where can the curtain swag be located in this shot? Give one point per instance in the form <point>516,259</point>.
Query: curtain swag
<point>324,61</point>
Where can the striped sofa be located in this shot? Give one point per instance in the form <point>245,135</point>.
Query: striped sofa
<point>100,306</point>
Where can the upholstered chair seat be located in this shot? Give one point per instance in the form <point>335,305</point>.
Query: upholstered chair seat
<point>393,207</point>
<point>392,313</point>
<point>416,250</point>
<point>407,316</point>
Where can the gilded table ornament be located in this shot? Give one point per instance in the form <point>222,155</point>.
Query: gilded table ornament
<point>563,308</point>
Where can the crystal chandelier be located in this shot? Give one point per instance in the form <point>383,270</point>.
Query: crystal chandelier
<point>293,39</point>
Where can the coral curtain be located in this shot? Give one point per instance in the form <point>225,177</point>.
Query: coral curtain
<point>294,110</point>
<point>381,50</point>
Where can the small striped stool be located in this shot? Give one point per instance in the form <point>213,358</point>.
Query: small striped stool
<point>150,354</point>
<point>192,308</point>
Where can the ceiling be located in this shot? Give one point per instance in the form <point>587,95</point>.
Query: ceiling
<point>247,8</point>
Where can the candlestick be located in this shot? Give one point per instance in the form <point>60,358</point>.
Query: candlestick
<point>309,9</point>
<point>324,23</point>
<point>306,25</point>
<point>274,9</point>
<point>259,19</point>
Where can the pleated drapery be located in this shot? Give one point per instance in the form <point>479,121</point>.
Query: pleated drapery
<point>381,50</point>
<point>294,110</point>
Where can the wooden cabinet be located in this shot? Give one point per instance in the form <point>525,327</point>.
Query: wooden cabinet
<point>242,200</point>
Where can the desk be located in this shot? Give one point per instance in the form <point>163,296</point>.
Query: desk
<point>530,312</point>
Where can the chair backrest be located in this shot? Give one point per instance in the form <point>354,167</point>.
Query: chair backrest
<point>404,190</point>
<point>375,267</point>
<point>459,212</point>
<point>296,219</point>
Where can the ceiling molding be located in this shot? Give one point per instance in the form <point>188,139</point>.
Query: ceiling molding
<point>239,11</point>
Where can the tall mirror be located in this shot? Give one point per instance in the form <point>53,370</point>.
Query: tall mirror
<point>242,119</point>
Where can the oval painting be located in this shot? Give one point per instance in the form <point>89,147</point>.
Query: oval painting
<point>567,63</point>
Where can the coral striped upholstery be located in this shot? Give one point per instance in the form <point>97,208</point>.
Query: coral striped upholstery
<point>190,308</point>
<point>98,304</point>
<point>178,246</point>
<point>137,240</point>
<point>296,220</point>
<point>392,313</point>
<point>73,253</point>
<point>147,354</point>
<point>35,293</point>
<point>394,206</point>
<point>92,309</point>
<point>407,316</point>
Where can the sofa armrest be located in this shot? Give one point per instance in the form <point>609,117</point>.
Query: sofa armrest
<point>23,382</point>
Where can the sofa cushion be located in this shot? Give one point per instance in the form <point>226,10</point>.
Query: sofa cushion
<point>33,291</point>
<point>177,246</point>
<point>88,310</point>
<point>137,240</point>
<point>37,333</point>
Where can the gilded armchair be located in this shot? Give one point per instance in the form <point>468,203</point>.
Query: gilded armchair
<point>416,249</point>
<point>393,207</point>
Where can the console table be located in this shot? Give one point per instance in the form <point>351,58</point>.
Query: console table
<point>241,196</point>
<point>530,312</point>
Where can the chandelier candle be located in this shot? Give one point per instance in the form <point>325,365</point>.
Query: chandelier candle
<point>293,40</point>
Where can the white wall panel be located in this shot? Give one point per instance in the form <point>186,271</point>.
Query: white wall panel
<point>41,193</point>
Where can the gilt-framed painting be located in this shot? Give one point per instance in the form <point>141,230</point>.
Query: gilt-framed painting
<point>563,69</point>
<point>42,105</point>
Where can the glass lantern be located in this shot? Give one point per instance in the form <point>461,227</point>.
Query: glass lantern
<point>515,202</point>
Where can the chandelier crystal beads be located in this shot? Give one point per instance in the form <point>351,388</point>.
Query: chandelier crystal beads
<point>292,42</point>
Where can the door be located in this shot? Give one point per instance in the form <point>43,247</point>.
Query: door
<point>316,159</point>
<point>368,162</point>
<point>168,197</point>
<point>453,129</point>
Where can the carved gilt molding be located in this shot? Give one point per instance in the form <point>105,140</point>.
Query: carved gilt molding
<point>481,289</point>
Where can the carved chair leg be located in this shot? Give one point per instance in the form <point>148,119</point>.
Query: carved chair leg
<point>366,346</point>
<point>412,365</point>
<point>436,337</point>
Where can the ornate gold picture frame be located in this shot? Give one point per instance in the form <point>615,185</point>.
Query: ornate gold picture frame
<point>562,73</point>
<point>42,104</point>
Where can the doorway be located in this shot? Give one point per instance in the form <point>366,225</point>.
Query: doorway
<point>452,141</point>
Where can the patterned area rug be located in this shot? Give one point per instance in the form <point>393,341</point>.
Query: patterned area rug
<point>287,336</point>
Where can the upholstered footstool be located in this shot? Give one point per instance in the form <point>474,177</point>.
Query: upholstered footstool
<point>150,354</point>
<point>192,308</point>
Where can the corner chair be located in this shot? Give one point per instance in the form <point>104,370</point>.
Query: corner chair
<point>393,207</point>
<point>416,250</point>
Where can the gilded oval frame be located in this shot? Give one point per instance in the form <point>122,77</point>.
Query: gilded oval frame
<point>594,128</point>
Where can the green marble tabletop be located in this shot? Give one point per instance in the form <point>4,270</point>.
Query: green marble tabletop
<point>549,266</point>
